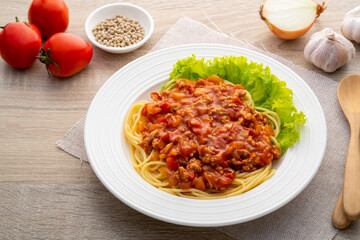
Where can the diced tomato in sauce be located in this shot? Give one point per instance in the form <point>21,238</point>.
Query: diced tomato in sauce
<point>174,121</point>
<point>205,131</point>
<point>175,136</point>
<point>172,163</point>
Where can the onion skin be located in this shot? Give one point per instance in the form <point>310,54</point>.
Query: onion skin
<point>291,35</point>
<point>286,35</point>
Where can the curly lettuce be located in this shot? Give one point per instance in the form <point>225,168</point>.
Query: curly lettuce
<point>266,89</point>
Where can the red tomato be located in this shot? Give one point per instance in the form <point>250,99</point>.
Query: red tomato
<point>65,54</point>
<point>20,44</point>
<point>50,16</point>
<point>172,163</point>
<point>0,41</point>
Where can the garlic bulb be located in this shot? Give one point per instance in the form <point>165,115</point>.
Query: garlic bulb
<point>329,50</point>
<point>290,19</point>
<point>350,27</point>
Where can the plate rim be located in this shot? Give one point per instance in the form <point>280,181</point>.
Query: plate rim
<point>197,224</point>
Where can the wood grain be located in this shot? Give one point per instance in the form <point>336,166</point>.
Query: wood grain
<point>46,193</point>
<point>80,211</point>
<point>339,219</point>
<point>348,95</point>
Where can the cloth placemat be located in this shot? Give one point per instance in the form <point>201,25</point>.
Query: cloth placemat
<point>308,216</point>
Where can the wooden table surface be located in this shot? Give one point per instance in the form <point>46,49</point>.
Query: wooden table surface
<point>45,192</point>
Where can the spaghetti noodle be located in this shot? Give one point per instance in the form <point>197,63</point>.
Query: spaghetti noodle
<point>203,139</point>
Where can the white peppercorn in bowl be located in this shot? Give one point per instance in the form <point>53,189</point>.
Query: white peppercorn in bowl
<point>119,15</point>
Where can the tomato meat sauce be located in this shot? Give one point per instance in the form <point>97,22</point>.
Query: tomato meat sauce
<point>205,132</point>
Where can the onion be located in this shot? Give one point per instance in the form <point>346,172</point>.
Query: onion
<point>290,19</point>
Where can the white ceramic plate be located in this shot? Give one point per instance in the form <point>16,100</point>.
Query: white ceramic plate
<point>109,155</point>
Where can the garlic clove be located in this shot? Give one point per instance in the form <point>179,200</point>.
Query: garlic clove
<point>290,19</point>
<point>329,50</point>
<point>350,27</point>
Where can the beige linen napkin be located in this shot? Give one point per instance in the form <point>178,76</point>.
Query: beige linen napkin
<point>308,216</point>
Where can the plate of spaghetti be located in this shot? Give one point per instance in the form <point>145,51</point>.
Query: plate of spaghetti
<point>205,135</point>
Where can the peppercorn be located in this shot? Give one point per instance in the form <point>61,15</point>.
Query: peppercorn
<point>118,31</point>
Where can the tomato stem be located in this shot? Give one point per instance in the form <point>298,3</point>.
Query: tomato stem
<point>45,57</point>
<point>29,25</point>
<point>17,20</point>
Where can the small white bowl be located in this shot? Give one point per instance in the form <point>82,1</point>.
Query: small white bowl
<point>124,9</point>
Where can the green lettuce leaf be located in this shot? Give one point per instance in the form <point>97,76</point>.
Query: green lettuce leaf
<point>266,89</point>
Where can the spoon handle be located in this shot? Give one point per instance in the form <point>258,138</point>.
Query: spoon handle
<point>351,194</point>
<point>339,219</point>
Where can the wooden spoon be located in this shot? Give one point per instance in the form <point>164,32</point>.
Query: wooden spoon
<point>349,98</point>
<point>339,219</point>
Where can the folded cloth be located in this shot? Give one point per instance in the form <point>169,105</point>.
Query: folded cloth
<point>308,216</point>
